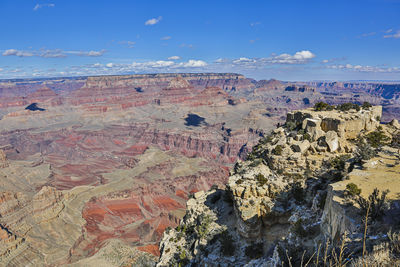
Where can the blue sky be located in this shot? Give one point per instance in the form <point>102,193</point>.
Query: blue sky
<point>287,40</point>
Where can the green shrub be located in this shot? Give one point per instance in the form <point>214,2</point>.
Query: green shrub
<point>290,125</point>
<point>203,224</point>
<point>306,136</point>
<point>377,204</point>
<point>339,162</point>
<point>254,251</point>
<point>261,179</point>
<point>266,140</point>
<point>377,138</point>
<point>277,150</point>
<point>183,258</point>
<point>348,106</point>
<point>353,189</point>
<point>365,151</point>
<point>321,106</point>
<point>366,105</point>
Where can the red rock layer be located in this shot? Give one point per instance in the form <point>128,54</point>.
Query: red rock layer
<point>140,215</point>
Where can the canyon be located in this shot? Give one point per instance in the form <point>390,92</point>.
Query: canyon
<point>94,169</point>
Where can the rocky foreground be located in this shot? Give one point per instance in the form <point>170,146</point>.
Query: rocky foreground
<point>301,198</point>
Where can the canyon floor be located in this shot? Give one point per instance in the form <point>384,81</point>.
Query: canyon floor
<point>94,169</point>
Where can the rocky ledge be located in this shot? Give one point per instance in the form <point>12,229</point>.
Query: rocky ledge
<point>301,196</point>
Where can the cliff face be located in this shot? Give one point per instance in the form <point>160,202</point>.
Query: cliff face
<point>291,194</point>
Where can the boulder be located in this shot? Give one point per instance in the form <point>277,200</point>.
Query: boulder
<point>301,147</point>
<point>332,141</point>
<point>199,194</point>
<point>395,123</point>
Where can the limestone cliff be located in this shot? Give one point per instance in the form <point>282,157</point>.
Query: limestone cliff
<point>294,194</point>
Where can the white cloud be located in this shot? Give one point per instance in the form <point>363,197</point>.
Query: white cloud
<point>52,53</point>
<point>389,31</point>
<point>360,68</point>
<point>255,23</point>
<point>165,38</point>
<point>18,53</point>
<point>394,35</point>
<point>221,60</point>
<point>109,65</point>
<point>38,6</point>
<point>194,63</point>
<point>159,64</point>
<point>300,57</point>
<point>243,60</point>
<point>1,69</point>
<point>153,21</point>
<point>174,58</point>
<point>325,61</point>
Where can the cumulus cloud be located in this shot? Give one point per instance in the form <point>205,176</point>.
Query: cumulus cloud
<point>243,60</point>
<point>166,38</point>
<point>18,53</point>
<point>90,53</point>
<point>395,35</point>
<point>39,6</point>
<point>153,21</point>
<point>300,57</point>
<point>138,67</point>
<point>174,58</point>
<point>194,63</point>
<point>51,53</point>
<point>221,60</point>
<point>153,64</point>
<point>360,68</point>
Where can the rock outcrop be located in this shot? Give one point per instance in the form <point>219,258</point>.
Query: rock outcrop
<point>346,124</point>
<point>290,194</point>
